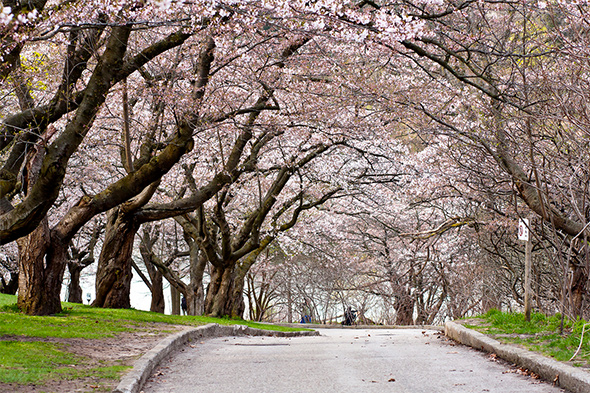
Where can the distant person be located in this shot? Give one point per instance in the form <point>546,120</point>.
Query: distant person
<point>306,313</point>
<point>183,305</point>
<point>349,316</point>
<point>305,319</point>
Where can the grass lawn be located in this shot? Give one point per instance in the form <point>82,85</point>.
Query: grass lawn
<point>46,351</point>
<point>541,334</point>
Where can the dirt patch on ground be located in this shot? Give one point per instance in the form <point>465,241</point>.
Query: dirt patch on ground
<point>121,350</point>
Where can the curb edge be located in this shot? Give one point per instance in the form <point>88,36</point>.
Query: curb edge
<point>565,376</point>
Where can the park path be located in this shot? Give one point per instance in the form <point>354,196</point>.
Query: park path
<point>340,360</point>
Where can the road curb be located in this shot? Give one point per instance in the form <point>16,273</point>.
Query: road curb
<point>565,376</point>
<point>143,368</point>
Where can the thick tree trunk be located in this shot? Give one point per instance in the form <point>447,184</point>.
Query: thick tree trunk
<point>195,301</point>
<point>157,304</point>
<point>113,275</point>
<point>237,304</point>
<point>222,299</point>
<point>74,289</point>
<point>195,296</point>
<point>42,261</point>
<point>404,310</point>
<point>175,297</point>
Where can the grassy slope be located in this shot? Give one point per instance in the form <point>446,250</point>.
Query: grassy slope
<point>541,334</point>
<point>46,360</point>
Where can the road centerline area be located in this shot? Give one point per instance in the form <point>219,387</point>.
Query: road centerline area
<point>340,360</point>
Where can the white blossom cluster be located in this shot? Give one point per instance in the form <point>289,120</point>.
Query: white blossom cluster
<point>6,16</point>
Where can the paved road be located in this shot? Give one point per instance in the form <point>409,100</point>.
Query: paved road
<point>340,360</point>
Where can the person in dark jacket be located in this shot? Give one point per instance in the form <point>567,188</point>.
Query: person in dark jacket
<point>183,305</point>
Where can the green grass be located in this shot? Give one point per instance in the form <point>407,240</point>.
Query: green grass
<point>541,334</point>
<point>32,362</point>
<point>24,359</point>
<point>80,321</point>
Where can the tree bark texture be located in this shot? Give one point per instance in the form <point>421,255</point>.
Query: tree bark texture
<point>42,258</point>
<point>157,304</point>
<point>74,288</point>
<point>222,298</point>
<point>404,310</point>
<point>195,301</point>
<point>175,297</point>
<point>195,293</point>
<point>42,261</point>
<point>113,276</point>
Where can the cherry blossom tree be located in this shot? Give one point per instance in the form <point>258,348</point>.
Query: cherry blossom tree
<point>103,45</point>
<point>502,90</point>
<point>42,255</point>
<point>84,25</point>
<point>417,132</point>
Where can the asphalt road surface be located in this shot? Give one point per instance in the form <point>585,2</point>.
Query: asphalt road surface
<point>340,360</point>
